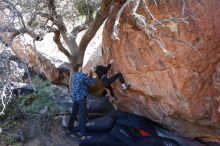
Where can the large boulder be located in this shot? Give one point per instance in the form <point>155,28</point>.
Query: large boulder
<point>182,93</point>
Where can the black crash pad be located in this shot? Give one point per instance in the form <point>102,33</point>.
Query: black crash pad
<point>124,134</point>
<point>134,121</point>
<point>100,139</point>
<point>99,124</point>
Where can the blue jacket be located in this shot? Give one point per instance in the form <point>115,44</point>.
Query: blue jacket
<point>80,82</point>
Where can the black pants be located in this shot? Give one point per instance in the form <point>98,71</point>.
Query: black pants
<point>78,107</point>
<point>108,81</point>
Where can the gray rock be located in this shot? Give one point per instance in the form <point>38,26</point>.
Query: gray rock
<point>20,137</point>
<point>58,92</point>
<point>65,120</point>
<point>44,110</point>
<point>22,88</point>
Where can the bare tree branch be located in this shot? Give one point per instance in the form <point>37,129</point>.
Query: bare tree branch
<point>78,29</point>
<point>58,20</point>
<point>115,31</point>
<point>8,29</point>
<point>29,76</point>
<point>17,31</point>
<point>163,48</point>
<point>5,76</point>
<point>147,10</point>
<point>155,2</point>
<point>13,8</point>
<point>81,27</point>
<point>42,14</point>
<point>150,29</point>
<point>183,12</point>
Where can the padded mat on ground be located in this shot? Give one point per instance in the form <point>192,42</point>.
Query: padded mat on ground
<point>99,124</point>
<point>100,139</point>
<point>135,121</point>
<point>125,135</point>
<point>155,141</point>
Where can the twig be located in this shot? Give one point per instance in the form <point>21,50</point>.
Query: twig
<point>29,77</point>
<point>183,12</point>
<point>147,10</point>
<point>163,48</point>
<point>115,31</point>
<point>155,2</point>
<point>5,85</point>
<point>5,97</point>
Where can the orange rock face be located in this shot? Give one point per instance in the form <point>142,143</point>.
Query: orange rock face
<point>182,93</point>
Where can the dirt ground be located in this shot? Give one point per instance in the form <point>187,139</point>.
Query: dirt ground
<point>55,138</point>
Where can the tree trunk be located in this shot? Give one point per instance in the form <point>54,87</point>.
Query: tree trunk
<point>70,79</point>
<point>101,16</point>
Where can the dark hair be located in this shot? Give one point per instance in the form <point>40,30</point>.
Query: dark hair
<point>77,66</point>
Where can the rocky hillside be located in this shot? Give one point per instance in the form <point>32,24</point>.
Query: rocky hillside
<point>182,93</point>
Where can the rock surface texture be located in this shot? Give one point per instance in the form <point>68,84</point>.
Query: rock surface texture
<point>182,93</point>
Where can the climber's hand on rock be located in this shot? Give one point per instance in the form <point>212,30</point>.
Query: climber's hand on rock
<point>94,75</point>
<point>111,61</point>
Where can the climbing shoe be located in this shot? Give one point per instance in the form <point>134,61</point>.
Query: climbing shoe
<point>70,133</point>
<point>125,86</point>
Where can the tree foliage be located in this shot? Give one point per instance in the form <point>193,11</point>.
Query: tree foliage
<point>86,7</point>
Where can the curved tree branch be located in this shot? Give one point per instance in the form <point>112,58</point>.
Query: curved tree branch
<point>58,20</point>
<point>101,15</point>
<point>60,46</point>
<point>139,21</point>
<point>17,31</point>
<point>147,10</point>
<point>115,31</point>
<point>13,9</point>
<point>81,27</point>
<point>42,14</point>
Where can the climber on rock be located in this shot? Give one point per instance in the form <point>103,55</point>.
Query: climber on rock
<point>80,82</point>
<point>102,72</point>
